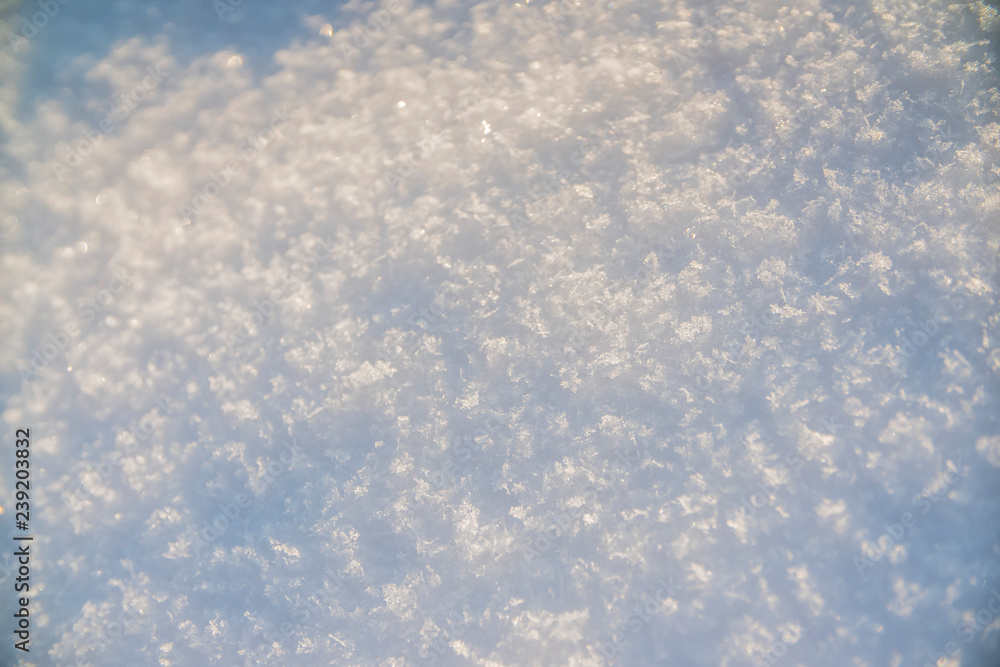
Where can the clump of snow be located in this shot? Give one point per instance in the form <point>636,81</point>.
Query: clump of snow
<point>505,334</point>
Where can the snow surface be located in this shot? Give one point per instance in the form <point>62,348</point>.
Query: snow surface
<point>507,319</point>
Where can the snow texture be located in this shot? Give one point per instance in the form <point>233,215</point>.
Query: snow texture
<point>567,333</point>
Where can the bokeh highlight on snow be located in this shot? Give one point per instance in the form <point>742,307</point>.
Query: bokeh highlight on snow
<point>504,333</point>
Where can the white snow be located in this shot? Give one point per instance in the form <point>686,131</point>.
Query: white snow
<point>563,333</point>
